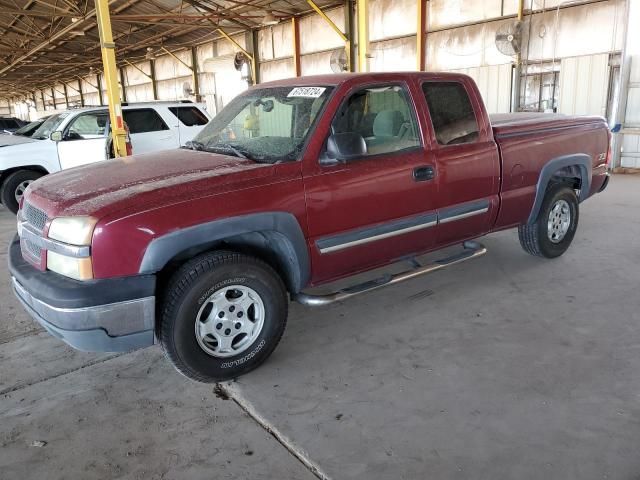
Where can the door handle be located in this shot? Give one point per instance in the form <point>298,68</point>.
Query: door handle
<point>424,173</point>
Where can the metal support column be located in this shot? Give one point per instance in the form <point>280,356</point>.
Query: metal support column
<point>123,88</point>
<point>350,29</point>
<point>152,75</point>
<point>44,104</point>
<point>295,35</point>
<point>421,36</point>
<point>108,48</point>
<point>66,96</point>
<point>517,70</point>
<point>194,71</point>
<point>100,96</point>
<point>80,92</point>
<point>362,10</point>
<point>53,98</point>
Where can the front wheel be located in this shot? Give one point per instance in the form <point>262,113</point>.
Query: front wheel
<point>223,315</point>
<point>14,186</point>
<point>552,232</point>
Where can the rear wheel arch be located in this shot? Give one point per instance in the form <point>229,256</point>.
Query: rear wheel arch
<point>573,170</point>
<point>274,237</point>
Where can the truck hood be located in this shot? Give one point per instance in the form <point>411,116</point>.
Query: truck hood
<point>144,181</point>
<point>8,140</point>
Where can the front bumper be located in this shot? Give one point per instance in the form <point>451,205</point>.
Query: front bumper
<point>109,315</point>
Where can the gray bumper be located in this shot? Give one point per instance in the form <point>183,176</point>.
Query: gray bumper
<point>114,327</point>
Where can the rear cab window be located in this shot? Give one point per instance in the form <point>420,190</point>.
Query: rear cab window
<point>452,115</point>
<point>144,120</point>
<point>189,116</point>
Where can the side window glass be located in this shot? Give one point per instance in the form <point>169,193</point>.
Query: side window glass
<point>189,116</point>
<point>143,121</point>
<point>454,121</point>
<point>382,116</point>
<point>88,126</point>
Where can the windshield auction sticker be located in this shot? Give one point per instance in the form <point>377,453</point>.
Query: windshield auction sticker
<point>309,92</point>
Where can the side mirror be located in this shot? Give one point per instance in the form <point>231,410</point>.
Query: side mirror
<point>345,146</point>
<point>56,136</point>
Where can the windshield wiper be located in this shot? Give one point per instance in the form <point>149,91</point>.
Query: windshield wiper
<point>194,145</point>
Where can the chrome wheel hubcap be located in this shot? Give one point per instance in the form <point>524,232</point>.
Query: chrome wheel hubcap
<point>20,189</point>
<point>229,321</point>
<point>559,221</point>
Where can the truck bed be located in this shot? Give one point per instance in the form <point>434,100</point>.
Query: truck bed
<point>526,122</point>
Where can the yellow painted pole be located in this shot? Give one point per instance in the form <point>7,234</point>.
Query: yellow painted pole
<point>362,10</point>
<point>107,47</point>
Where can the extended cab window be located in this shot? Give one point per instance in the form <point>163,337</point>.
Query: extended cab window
<point>87,125</point>
<point>189,116</point>
<point>454,121</point>
<point>383,116</point>
<point>144,120</point>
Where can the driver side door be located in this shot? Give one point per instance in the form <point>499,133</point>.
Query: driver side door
<point>84,140</point>
<point>378,207</point>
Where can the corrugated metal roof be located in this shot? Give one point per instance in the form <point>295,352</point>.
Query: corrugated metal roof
<point>43,43</point>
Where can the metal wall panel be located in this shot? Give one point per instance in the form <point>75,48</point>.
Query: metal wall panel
<point>393,55</point>
<point>584,84</point>
<point>392,18</point>
<point>316,35</point>
<point>276,69</point>
<point>494,83</point>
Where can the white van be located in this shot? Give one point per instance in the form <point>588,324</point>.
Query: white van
<point>85,137</point>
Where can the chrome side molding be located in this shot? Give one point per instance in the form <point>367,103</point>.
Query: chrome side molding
<point>471,249</point>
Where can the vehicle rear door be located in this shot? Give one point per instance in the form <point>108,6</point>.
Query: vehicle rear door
<point>191,120</point>
<point>84,140</point>
<point>148,131</point>
<point>467,159</point>
<point>381,205</point>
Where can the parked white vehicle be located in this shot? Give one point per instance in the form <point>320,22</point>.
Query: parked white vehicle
<point>85,139</point>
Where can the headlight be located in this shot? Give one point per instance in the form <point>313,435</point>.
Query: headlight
<point>78,268</point>
<point>72,230</point>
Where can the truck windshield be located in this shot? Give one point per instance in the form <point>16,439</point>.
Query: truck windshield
<point>49,126</point>
<point>266,125</point>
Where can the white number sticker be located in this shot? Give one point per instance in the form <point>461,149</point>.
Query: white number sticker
<point>310,92</point>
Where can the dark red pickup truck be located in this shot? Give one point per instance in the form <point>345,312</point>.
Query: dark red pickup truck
<point>295,183</point>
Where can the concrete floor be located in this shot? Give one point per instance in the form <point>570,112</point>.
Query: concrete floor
<point>505,367</point>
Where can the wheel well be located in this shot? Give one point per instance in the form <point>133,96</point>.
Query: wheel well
<point>9,171</point>
<point>570,175</point>
<point>266,246</point>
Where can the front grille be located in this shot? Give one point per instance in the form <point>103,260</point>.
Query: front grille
<point>32,249</point>
<point>34,216</point>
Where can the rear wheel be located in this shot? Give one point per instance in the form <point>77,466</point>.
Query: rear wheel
<point>14,186</point>
<point>553,231</point>
<point>223,315</point>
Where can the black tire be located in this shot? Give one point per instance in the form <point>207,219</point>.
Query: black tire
<point>14,182</point>
<point>189,289</point>
<point>534,237</point>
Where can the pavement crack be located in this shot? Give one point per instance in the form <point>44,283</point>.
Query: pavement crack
<point>16,388</point>
<point>302,456</point>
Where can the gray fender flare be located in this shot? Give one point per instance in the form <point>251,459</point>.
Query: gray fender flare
<point>277,232</point>
<point>580,160</point>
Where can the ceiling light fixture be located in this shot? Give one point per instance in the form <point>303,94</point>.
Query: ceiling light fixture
<point>269,19</point>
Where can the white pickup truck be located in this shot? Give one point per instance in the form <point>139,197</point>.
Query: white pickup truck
<point>84,135</point>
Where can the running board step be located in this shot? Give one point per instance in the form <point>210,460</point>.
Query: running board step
<point>471,250</point>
